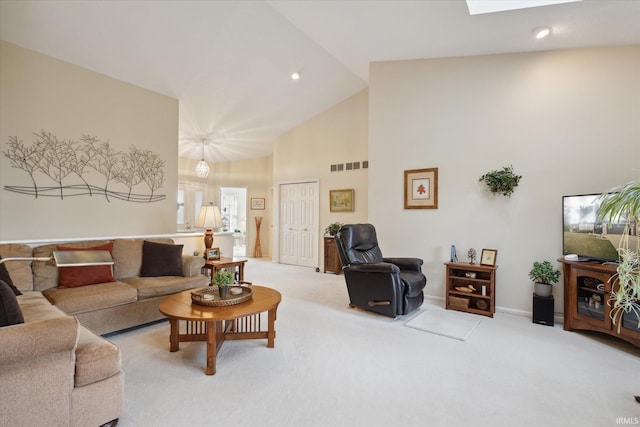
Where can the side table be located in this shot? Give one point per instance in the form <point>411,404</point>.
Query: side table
<point>331,259</point>
<point>215,265</point>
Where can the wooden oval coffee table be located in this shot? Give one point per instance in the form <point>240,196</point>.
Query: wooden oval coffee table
<point>217,324</point>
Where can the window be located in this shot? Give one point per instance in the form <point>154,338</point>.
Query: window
<point>190,198</point>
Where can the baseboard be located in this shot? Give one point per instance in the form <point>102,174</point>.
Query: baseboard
<point>557,317</point>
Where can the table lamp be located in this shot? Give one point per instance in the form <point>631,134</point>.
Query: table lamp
<point>209,218</point>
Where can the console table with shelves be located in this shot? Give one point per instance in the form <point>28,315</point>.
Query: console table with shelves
<point>587,289</point>
<point>471,288</point>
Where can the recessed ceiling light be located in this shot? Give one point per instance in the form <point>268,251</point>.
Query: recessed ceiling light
<point>542,32</point>
<point>295,76</point>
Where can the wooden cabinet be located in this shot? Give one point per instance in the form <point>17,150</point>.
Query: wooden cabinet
<point>471,288</point>
<point>587,289</point>
<point>331,258</point>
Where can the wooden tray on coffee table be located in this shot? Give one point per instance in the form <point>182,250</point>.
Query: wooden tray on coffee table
<point>198,296</point>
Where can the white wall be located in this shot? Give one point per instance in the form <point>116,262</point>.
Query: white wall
<point>42,93</point>
<point>568,122</point>
<point>338,135</point>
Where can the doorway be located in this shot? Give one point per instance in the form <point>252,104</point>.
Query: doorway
<point>233,207</point>
<point>298,225</point>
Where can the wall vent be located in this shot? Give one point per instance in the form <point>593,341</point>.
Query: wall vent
<point>349,166</point>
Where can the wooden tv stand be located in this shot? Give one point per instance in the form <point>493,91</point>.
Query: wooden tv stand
<point>587,288</point>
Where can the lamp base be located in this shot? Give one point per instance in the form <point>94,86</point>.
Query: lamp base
<point>208,241</point>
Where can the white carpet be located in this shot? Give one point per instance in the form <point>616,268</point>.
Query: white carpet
<point>334,366</point>
<point>452,324</point>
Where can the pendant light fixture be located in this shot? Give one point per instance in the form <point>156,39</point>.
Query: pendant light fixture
<point>202,168</point>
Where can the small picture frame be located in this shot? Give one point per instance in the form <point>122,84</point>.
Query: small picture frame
<point>257,203</point>
<point>488,257</point>
<point>341,200</point>
<point>213,254</point>
<point>421,188</point>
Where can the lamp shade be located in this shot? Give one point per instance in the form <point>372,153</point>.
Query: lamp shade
<point>209,217</point>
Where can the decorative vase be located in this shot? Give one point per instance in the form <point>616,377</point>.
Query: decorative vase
<point>223,291</point>
<point>543,289</point>
<point>257,249</point>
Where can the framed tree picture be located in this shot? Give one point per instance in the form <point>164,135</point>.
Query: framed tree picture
<point>421,189</point>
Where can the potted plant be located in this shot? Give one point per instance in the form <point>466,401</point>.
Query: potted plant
<point>544,276</point>
<point>222,279</point>
<point>501,181</point>
<point>622,204</point>
<point>333,228</point>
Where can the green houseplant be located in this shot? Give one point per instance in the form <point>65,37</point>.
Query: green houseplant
<point>222,279</point>
<point>544,276</point>
<point>333,228</point>
<point>501,181</point>
<point>622,205</point>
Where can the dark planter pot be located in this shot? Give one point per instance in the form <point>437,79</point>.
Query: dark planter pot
<point>543,289</point>
<point>223,291</point>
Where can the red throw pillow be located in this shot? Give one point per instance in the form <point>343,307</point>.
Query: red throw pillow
<point>73,277</point>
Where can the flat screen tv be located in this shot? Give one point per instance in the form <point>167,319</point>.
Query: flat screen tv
<point>591,240</point>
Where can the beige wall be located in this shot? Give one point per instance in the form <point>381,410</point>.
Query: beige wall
<point>41,93</point>
<point>338,135</point>
<point>568,122</point>
<point>253,174</point>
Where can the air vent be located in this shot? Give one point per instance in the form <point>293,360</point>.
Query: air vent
<point>349,166</point>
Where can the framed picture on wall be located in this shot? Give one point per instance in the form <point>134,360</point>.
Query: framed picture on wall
<point>488,257</point>
<point>213,254</point>
<point>257,203</point>
<point>341,200</point>
<point>421,189</point>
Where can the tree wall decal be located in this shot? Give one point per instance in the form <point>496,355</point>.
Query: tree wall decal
<point>65,161</point>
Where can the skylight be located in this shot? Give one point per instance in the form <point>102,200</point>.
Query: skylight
<point>477,7</point>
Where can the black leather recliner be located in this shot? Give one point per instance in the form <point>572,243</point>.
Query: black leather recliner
<point>389,286</point>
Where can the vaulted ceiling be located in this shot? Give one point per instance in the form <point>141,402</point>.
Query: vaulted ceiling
<point>229,62</point>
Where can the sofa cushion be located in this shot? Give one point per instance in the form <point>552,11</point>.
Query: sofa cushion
<point>35,307</point>
<point>19,271</point>
<point>6,278</point>
<point>92,297</point>
<point>149,287</point>
<point>96,359</point>
<point>159,259</point>
<point>45,274</point>
<point>127,256</point>
<point>10,313</point>
<point>72,277</point>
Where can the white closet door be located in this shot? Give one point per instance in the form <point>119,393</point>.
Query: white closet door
<point>299,224</point>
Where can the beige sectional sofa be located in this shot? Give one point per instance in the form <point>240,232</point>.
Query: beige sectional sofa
<point>56,369</point>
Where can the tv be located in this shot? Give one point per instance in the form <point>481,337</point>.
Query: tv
<point>585,237</point>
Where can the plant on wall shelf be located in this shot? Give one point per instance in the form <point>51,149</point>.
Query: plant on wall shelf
<point>501,181</point>
<point>621,205</point>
